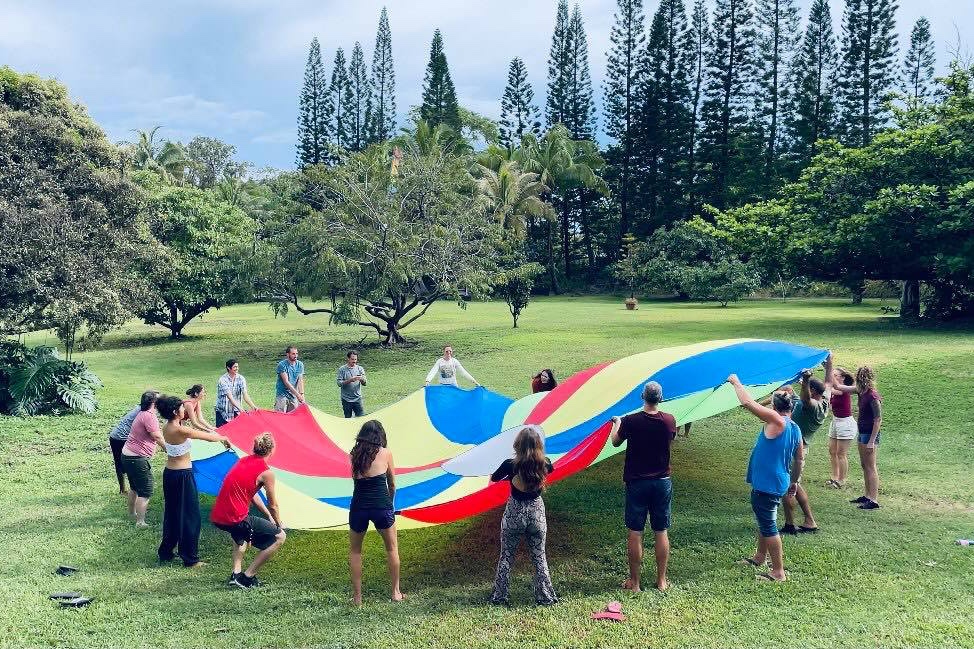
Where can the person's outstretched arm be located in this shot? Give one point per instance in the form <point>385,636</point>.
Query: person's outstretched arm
<point>806,391</point>
<point>796,468</point>
<point>775,422</point>
<point>196,418</point>
<point>192,433</point>
<point>502,473</point>
<point>461,370</point>
<point>432,372</point>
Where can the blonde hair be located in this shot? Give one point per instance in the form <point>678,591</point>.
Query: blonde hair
<point>263,444</point>
<point>865,378</point>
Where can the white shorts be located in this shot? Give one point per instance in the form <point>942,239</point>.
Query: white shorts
<point>843,428</point>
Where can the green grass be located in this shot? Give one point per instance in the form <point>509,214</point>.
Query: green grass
<point>886,578</point>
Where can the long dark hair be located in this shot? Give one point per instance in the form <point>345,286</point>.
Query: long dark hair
<point>371,437</point>
<point>194,391</point>
<point>529,459</point>
<point>168,407</point>
<point>553,383</point>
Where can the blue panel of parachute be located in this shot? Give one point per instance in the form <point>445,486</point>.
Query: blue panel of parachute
<point>483,412</point>
<point>408,496</point>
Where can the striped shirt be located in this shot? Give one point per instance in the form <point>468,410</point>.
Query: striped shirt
<point>236,387</point>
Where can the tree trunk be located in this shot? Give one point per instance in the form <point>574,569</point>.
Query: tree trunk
<point>910,301</point>
<point>566,207</point>
<point>552,275</point>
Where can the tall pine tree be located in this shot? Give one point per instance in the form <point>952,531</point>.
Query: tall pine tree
<point>519,115</point>
<point>917,76</point>
<point>728,132</point>
<point>867,73</point>
<point>339,98</point>
<point>382,117</point>
<point>668,73</point>
<point>580,107</point>
<point>777,26</point>
<point>622,76</point>
<point>439,96</point>
<point>697,40</point>
<point>559,72</point>
<point>359,104</point>
<point>313,113</point>
<point>811,115</point>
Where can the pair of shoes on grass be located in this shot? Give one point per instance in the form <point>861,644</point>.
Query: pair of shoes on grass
<point>865,503</point>
<point>801,529</point>
<point>240,580</point>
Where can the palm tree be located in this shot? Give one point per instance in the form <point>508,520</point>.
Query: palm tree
<point>561,164</point>
<point>168,159</point>
<point>513,195</point>
<point>424,139</point>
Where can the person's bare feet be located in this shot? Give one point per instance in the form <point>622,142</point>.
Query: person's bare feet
<point>662,585</point>
<point>631,586</point>
<point>398,596</point>
<point>141,524</point>
<point>198,565</point>
<point>772,576</point>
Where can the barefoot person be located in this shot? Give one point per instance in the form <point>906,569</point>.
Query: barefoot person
<point>373,494</point>
<point>290,381</point>
<point>869,422</point>
<point>351,378</point>
<point>524,516</point>
<point>649,491</point>
<point>448,367</point>
<point>842,428</point>
<point>778,446</point>
<point>181,511</point>
<point>808,411</point>
<point>231,512</point>
<point>120,434</point>
<point>139,447</point>
<point>231,394</point>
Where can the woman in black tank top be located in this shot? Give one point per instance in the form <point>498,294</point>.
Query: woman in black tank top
<point>373,494</point>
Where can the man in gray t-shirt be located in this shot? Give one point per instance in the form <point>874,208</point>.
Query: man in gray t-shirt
<point>351,378</point>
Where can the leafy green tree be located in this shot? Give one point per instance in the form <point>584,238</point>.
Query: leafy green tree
<point>777,26</point>
<point>728,131</point>
<point>315,112</point>
<point>388,240</point>
<point>382,119</point>
<point>359,104</point>
<point>211,161</point>
<point>812,114</point>
<point>624,67</point>
<point>340,100</point>
<point>439,95</point>
<point>512,196</point>
<point>198,254</point>
<point>917,75</point>
<point>519,115</point>
<point>867,73</point>
<point>168,159</point>
<point>70,214</point>
<point>514,286</point>
<point>580,106</point>
<point>39,382</point>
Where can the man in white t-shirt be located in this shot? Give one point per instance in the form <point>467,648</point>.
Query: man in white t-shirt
<point>447,368</point>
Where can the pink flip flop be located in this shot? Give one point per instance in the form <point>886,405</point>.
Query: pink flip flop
<point>612,611</point>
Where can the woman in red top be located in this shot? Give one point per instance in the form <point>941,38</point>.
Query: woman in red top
<point>231,512</point>
<point>543,381</point>
<point>867,427</point>
<point>842,429</point>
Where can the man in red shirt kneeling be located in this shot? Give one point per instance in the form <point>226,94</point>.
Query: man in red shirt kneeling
<point>231,512</point>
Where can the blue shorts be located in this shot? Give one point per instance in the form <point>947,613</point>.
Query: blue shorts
<point>864,438</point>
<point>650,497</point>
<point>383,519</point>
<point>765,507</point>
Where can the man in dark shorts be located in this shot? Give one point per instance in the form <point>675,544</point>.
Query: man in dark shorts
<point>231,512</point>
<point>649,491</point>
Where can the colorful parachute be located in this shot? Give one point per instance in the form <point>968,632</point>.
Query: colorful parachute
<point>447,441</point>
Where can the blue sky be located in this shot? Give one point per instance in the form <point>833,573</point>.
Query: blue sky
<point>232,69</point>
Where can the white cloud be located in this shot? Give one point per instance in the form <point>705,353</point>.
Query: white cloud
<point>280,136</point>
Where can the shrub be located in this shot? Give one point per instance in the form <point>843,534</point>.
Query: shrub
<point>39,382</point>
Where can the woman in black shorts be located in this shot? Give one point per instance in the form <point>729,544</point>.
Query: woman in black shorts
<point>373,472</point>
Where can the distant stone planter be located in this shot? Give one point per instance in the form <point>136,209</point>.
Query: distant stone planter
<point>631,303</point>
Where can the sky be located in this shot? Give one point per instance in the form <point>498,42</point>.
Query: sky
<point>233,69</point>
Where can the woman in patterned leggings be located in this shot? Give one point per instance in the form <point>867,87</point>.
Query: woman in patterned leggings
<point>524,516</point>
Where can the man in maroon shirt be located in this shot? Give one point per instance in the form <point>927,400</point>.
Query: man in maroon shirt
<point>648,434</point>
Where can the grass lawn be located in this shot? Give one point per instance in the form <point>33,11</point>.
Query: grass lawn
<point>890,577</point>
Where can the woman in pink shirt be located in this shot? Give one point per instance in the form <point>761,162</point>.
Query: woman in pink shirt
<point>140,446</point>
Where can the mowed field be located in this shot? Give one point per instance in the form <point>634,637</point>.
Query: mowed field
<point>890,577</point>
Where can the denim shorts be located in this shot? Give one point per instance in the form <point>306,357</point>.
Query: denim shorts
<point>864,438</point>
<point>383,519</point>
<point>765,507</point>
<point>650,497</point>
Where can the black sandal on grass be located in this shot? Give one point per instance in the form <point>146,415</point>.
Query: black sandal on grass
<point>748,561</point>
<point>807,530</point>
<point>789,529</point>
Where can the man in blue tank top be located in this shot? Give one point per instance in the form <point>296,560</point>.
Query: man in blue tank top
<point>773,471</point>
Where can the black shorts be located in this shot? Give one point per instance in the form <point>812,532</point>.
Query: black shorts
<point>650,497</point>
<point>383,519</point>
<point>139,472</point>
<point>255,530</point>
